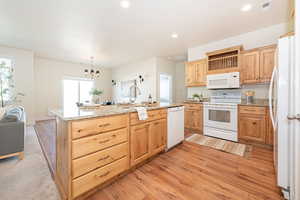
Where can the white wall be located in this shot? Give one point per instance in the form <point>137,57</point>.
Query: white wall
<point>166,67</point>
<point>180,89</point>
<point>48,76</point>
<point>258,38</point>
<point>254,39</point>
<point>23,65</point>
<point>146,68</point>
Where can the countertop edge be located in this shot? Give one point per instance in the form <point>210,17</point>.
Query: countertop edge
<point>58,113</point>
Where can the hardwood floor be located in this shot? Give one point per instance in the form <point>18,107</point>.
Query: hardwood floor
<point>187,172</point>
<point>194,172</point>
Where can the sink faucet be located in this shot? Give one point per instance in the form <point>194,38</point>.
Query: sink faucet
<point>134,91</point>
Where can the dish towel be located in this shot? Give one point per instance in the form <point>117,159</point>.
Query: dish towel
<point>142,113</point>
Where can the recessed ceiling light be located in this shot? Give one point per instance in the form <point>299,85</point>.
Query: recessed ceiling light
<point>125,4</point>
<point>174,35</point>
<point>246,8</point>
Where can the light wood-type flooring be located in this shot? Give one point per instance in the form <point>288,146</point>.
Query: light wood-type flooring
<point>194,172</point>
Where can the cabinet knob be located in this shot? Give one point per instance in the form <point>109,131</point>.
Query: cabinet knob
<point>254,123</point>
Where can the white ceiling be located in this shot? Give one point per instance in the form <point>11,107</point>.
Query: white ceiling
<point>74,30</point>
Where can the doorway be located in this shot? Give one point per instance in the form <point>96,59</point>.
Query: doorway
<point>165,89</point>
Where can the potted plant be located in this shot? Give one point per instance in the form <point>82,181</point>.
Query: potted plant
<point>96,93</point>
<point>198,97</point>
<point>8,95</point>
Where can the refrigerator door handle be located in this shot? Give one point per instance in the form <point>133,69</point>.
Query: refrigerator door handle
<point>273,118</point>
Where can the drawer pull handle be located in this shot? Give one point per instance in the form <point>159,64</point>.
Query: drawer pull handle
<point>104,158</point>
<point>103,175</point>
<point>79,130</point>
<point>254,123</point>
<point>146,126</point>
<point>104,125</point>
<point>156,123</point>
<point>103,141</point>
<point>249,110</point>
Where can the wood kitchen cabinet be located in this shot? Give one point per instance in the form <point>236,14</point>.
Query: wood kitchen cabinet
<point>140,143</point>
<point>193,117</point>
<point>224,60</point>
<point>258,64</point>
<point>250,67</point>
<point>195,73</point>
<point>252,127</point>
<point>158,136</point>
<point>148,137</point>
<point>255,125</point>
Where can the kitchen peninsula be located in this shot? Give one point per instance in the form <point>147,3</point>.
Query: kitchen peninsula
<point>94,147</point>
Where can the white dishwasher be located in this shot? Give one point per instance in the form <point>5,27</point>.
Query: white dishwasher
<point>175,126</point>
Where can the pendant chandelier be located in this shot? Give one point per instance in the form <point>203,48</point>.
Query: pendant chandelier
<point>92,73</point>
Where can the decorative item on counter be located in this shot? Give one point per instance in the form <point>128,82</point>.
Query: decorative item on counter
<point>249,96</point>
<point>150,101</point>
<point>197,97</point>
<point>96,95</point>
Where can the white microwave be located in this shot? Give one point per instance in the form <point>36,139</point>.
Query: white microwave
<point>223,81</point>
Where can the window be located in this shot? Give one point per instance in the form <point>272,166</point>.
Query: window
<point>76,90</point>
<point>6,80</point>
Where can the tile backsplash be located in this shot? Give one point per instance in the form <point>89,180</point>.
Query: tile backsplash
<point>261,91</point>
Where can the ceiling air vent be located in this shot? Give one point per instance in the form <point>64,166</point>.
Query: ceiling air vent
<point>266,5</point>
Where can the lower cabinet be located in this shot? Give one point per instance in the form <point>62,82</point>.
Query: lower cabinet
<point>255,125</point>
<point>139,143</point>
<point>158,136</point>
<point>147,139</point>
<point>193,117</point>
<point>252,128</point>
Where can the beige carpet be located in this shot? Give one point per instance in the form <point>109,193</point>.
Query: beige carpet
<point>219,144</point>
<point>28,179</point>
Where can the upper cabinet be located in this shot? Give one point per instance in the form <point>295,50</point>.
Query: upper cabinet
<point>250,67</point>
<point>258,64</point>
<point>195,73</point>
<point>224,61</point>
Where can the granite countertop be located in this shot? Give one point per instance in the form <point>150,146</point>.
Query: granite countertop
<point>256,102</point>
<point>78,113</point>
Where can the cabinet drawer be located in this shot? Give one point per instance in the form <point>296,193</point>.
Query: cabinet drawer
<point>253,110</point>
<point>88,163</point>
<point>98,176</point>
<point>94,126</point>
<point>193,106</point>
<point>98,142</point>
<point>152,115</point>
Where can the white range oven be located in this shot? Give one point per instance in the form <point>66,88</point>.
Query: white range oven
<point>220,120</point>
<point>221,115</point>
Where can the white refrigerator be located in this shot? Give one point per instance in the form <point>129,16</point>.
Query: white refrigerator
<point>280,103</point>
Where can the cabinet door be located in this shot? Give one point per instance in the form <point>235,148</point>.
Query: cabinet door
<point>267,63</point>
<point>188,117</point>
<point>140,144</point>
<point>252,128</point>
<point>190,74</point>
<point>193,119</point>
<point>158,135</point>
<point>201,69</point>
<point>250,67</point>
